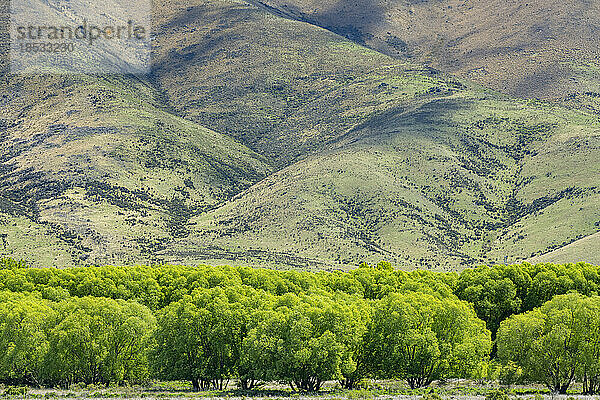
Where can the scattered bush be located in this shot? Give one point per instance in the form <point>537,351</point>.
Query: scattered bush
<point>16,391</point>
<point>497,395</point>
<point>362,394</point>
<point>431,396</point>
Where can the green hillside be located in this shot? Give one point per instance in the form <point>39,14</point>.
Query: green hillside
<point>585,248</point>
<point>260,138</point>
<point>101,166</point>
<point>436,188</point>
<point>383,159</point>
<point>545,49</point>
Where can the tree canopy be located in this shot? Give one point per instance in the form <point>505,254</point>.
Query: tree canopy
<point>211,325</point>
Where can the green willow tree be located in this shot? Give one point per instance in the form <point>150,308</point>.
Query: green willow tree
<point>199,338</point>
<point>24,326</point>
<point>556,343</point>
<point>496,293</point>
<point>99,340</point>
<point>308,339</point>
<point>589,374</point>
<point>420,338</point>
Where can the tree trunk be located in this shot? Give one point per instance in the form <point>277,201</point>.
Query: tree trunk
<point>348,383</point>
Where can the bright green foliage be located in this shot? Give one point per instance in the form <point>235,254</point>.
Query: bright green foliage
<point>503,290</point>
<point>509,374</point>
<point>254,325</point>
<point>556,343</point>
<point>98,340</point>
<point>419,338</point>
<point>589,373</point>
<point>92,340</point>
<point>159,286</point>
<point>306,340</point>
<point>24,323</point>
<point>496,293</point>
<point>548,280</point>
<point>200,337</point>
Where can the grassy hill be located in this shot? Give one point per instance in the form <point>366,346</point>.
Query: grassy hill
<point>544,49</point>
<point>101,166</point>
<point>261,138</point>
<point>585,249</point>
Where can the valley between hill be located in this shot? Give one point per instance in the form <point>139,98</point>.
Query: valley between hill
<point>261,139</point>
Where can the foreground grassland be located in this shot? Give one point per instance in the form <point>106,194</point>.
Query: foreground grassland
<point>372,390</point>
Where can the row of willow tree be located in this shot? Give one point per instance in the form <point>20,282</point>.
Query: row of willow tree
<point>211,325</point>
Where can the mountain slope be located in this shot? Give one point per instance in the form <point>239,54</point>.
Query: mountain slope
<point>381,158</point>
<point>545,49</point>
<point>107,169</point>
<point>584,249</point>
<point>263,139</point>
<point>438,193</point>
